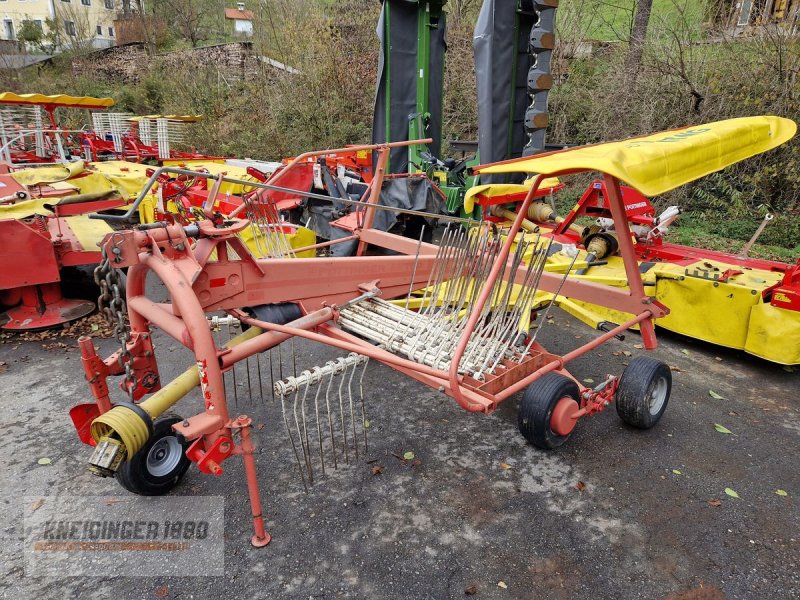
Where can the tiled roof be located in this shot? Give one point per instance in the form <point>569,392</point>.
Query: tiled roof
<point>242,15</point>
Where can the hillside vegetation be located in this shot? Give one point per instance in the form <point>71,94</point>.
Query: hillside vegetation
<point>690,73</point>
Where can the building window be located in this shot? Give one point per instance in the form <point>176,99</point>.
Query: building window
<point>110,32</point>
<point>8,26</point>
<point>69,28</point>
<point>35,23</point>
<point>109,4</point>
<point>99,30</point>
<point>86,2</point>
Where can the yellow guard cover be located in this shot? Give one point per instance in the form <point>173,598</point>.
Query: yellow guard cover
<point>59,100</point>
<point>658,163</point>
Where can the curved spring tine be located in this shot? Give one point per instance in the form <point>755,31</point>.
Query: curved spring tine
<point>346,452</point>
<point>364,421</point>
<point>330,420</point>
<point>297,424</point>
<point>233,370</point>
<point>350,400</point>
<point>306,445</point>
<point>291,439</point>
<point>318,377</point>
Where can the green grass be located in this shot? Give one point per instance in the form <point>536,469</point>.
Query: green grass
<point>697,236</point>
<point>609,20</point>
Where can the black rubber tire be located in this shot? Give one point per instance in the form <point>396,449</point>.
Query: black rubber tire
<point>640,380</point>
<point>536,409</point>
<point>135,474</point>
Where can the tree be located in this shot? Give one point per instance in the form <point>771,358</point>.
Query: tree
<point>641,20</point>
<point>194,20</point>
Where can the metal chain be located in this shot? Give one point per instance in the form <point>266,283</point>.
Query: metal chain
<point>111,304</point>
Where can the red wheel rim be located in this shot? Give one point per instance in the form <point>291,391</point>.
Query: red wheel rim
<point>562,421</point>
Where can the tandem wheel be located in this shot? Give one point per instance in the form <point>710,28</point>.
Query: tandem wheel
<point>643,392</point>
<point>544,411</point>
<point>160,464</point>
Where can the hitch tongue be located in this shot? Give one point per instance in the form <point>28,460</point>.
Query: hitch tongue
<point>107,457</point>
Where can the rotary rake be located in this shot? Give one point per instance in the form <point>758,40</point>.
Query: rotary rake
<point>460,334</point>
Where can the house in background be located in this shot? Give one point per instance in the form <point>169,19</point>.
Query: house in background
<point>242,19</point>
<point>73,21</point>
<point>746,13</point>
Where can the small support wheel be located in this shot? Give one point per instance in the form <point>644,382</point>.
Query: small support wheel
<point>643,392</point>
<point>159,465</point>
<point>545,411</point>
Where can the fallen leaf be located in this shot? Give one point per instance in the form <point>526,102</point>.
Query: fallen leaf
<point>718,358</point>
<point>733,413</point>
<point>502,584</point>
<point>789,368</point>
<point>638,346</point>
<point>580,486</point>
<point>715,395</point>
<point>471,590</point>
<point>377,469</point>
<point>674,368</point>
<point>781,492</point>
<point>722,429</point>
<point>715,503</point>
<point>260,426</point>
<point>588,380</point>
<point>38,504</point>
<point>677,472</point>
<point>408,456</point>
<point>685,351</point>
<point>627,353</point>
<point>505,466</point>
<point>95,327</point>
<point>577,337</point>
<point>616,353</point>
<point>366,424</point>
<point>162,591</point>
<point>44,461</point>
<point>732,493</point>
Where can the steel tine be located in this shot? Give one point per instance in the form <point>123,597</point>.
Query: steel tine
<point>291,439</point>
<point>271,375</point>
<point>260,384</point>
<point>330,419</point>
<point>306,445</point>
<point>343,423</point>
<point>350,400</point>
<point>364,422</point>
<point>249,384</point>
<point>317,373</point>
<point>233,371</point>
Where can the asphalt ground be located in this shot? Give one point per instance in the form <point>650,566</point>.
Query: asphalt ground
<point>614,513</point>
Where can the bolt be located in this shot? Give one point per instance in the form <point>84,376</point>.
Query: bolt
<point>185,423</point>
<point>225,446</point>
<point>441,388</point>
